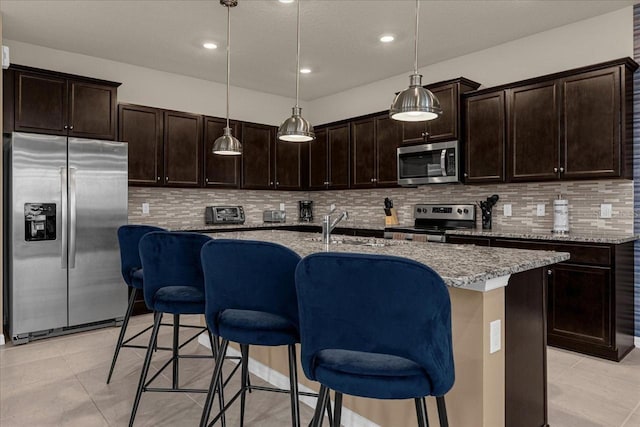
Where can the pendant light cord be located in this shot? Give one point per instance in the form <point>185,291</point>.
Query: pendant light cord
<point>415,65</point>
<point>228,57</point>
<point>298,55</point>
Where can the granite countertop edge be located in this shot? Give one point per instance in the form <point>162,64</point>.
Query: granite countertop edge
<point>575,237</point>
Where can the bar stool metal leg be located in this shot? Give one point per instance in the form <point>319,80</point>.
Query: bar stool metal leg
<point>337,412</point>
<point>145,366</point>
<point>176,347</point>
<point>215,381</point>
<point>123,330</point>
<point>215,349</point>
<point>323,398</point>
<point>293,381</point>
<point>421,411</point>
<point>244,349</point>
<point>442,412</point>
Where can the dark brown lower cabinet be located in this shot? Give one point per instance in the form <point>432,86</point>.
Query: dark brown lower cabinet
<point>590,296</point>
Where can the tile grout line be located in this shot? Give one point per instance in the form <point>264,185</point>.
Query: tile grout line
<point>633,411</point>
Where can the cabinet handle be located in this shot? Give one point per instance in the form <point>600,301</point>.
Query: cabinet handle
<point>375,179</point>
<point>549,272</point>
<point>277,182</point>
<point>271,183</point>
<point>555,170</point>
<point>167,179</point>
<point>371,180</point>
<point>66,127</point>
<point>206,180</point>
<point>466,175</point>
<point>71,127</point>
<point>561,170</point>
<point>158,179</point>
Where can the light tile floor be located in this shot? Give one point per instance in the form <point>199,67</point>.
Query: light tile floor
<point>61,382</point>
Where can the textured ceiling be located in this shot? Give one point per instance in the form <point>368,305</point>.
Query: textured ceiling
<point>339,37</point>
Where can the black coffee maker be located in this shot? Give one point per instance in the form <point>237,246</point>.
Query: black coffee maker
<point>306,210</point>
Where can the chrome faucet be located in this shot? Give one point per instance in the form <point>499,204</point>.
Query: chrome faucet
<point>328,226</point>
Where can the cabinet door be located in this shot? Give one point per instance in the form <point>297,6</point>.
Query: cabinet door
<point>591,121</point>
<point>142,129</point>
<point>534,132</point>
<point>257,145</point>
<point>182,149</point>
<point>414,131</point>
<point>579,305</point>
<point>220,171</point>
<point>388,138</point>
<point>92,110</point>
<point>40,103</point>
<point>338,137</point>
<point>484,138</point>
<point>445,127</point>
<point>363,153</point>
<point>318,166</point>
<point>288,160</point>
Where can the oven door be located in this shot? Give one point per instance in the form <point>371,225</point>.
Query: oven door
<point>428,163</point>
<point>415,234</point>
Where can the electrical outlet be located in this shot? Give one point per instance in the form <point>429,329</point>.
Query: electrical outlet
<point>281,206</point>
<point>605,210</point>
<point>145,208</point>
<point>332,207</point>
<point>494,336</point>
<point>540,209</point>
<point>507,209</point>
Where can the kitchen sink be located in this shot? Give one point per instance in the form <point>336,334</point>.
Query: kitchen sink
<point>376,243</point>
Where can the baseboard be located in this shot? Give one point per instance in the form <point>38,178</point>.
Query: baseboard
<point>275,378</point>
<point>636,341</point>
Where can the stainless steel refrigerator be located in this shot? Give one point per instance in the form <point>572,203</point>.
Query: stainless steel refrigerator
<point>64,199</point>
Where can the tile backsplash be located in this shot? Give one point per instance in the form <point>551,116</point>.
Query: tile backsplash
<point>173,208</point>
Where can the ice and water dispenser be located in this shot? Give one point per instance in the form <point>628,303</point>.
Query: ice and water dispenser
<point>39,221</point>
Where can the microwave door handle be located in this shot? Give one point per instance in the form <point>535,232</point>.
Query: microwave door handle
<point>443,163</point>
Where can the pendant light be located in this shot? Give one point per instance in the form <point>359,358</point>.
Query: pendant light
<point>227,144</point>
<point>296,128</point>
<point>415,104</point>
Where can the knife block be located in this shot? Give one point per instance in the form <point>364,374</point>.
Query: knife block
<point>391,219</point>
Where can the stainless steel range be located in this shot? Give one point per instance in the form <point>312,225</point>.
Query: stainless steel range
<point>432,221</point>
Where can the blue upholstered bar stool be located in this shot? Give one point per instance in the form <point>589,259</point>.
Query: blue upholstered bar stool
<point>251,300</point>
<point>129,237</point>
<point>375,326</point>
<point>173,284</point>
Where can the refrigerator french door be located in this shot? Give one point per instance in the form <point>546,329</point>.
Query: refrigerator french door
<point>67,197</point>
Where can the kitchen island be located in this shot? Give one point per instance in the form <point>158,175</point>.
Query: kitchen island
<point>503,287</point>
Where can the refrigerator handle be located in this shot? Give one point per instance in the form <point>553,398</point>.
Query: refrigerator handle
<point>72,217</point>
<point>63,220</point>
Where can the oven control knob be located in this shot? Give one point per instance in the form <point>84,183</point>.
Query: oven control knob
<point>466,211</point>
<point>459,211</point>
<point>419,210</point>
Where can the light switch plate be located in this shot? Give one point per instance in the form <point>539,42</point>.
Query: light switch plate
<point>540,209</point>
<point>281,206</point>
<point>494,336</point>
<point>507,209</point>
<point>145,208</point>
<point>605,210</point>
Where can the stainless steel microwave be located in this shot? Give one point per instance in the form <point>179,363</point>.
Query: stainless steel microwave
<point>428,163</point>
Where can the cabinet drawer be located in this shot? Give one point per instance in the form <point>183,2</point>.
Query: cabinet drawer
<point>464,240</point>
<point>580,253</point>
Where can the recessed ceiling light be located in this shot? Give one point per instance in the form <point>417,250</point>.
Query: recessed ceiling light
<point>209,45</point>
<point>285,1</point>
<point>305,70</point>
<point>387,39</point>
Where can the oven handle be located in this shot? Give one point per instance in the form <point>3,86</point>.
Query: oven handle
<point>443,163</point>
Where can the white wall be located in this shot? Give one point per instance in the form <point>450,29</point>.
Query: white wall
<point>157,88</point>
<point>587,42</point>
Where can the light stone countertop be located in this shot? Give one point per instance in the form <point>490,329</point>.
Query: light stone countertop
<point>595,237</point>
<point>462,266</point>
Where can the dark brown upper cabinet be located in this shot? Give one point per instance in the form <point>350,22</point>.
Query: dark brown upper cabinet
<point>576,124</point>
<point>288,167</point>
<point>374,142</point>
<point>338,154</point>
<point>447,126</point>
<point>534,132</point>
<point>182,149</point>
<point>257,153</point>
<point>318,165</point>
<point>484,143</point>
<point>142,129</point>
<point>60,104</point>
<point>220,171</point>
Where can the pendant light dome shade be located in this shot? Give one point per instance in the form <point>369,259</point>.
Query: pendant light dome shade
<point>227,144</point>
<point>415,104</point>
<point>296,128</point>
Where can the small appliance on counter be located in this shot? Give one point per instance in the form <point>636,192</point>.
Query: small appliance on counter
<point>306,210</point>
<point>487,208</point>
<point>274,216</point>
<point>391,216</point>
<point>224,215</point>
<point>432,221</point>
<point>560,216</point>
